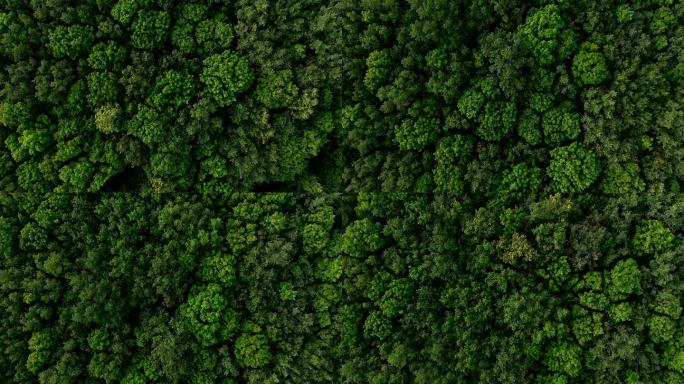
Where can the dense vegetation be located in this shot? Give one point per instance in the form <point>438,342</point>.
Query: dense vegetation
<point>341,191</point>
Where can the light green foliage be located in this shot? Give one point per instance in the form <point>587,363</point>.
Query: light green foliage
<point>379,64</point>
<point>106,56</point>
<point>589,66</point>
<point>77,175</point>
<point>107,118</point>
<point>331,270</point>
<point>70,41</point>
<point>98,340</point>
<point>397,296</point>
<point>147,125</point>
<point>573,168</point>
<point>171,91</point>
<point>652,237</point>
<point>360,238</point>
<point>41,340</point>
<point>213,35</point>
<point>550,237</point>
<point>565,358</point>
<point>667,303</point>
<point>516,250</point>
<point>620,312</point>
<point>416,134</point>
<point>125,10</point>
<point>224,76</point>
<point>194,31</point>
<point>675,359</point>
<point>277,90</point>
<point>541,32</point>
<point>520,181</point>
<point>470,103</point>
<point>528,127</point>
<point>622,178</point>
<point>661,328</point>
<point>102,88</point>
<point>625,279</point>
<point>624,13</point>
<point>587,326</point>
<point>287,292</point>
<point>315,238</point>
<point>207,315</point>
<point>662,20</point>
<point>497,120</point>
<point>31,142</point>
<point>150,29</point>
<point>541,101</point>
<point>193,12</point>
<point>37,360</point>
<point>218,268</point>
<point>512,220</point>
<point>251,350</point>
<point>454,150</point>
<point>560,125</point>
<point>450,154</point>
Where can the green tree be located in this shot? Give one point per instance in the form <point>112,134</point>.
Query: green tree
<point>379,66</point>
<point>213,35</point>
<point>106,56</point>
<point>416,134</point>
<point>528,127</point>
<point>277,90</point>
<point>625,279</point>
<point>224,76</point>
<point>541,31</point>
<point>560,125</point>
<point>208,316</point>
<point>107,118</point>
<point>171,91</point>
<point>497,120</point>
<point>102,88</point>
<point>589,66</point>
<point>70,41</point>
<point>361,237</point>
<point>573,168</point>
<point>150,29</point>
<point>652,237</point>
<point>251,350</point>
<point>470,103</point>
<point>565,357</point>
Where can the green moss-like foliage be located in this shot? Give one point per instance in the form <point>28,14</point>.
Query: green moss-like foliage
<point>341,191</point>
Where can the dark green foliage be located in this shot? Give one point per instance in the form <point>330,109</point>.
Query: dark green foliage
<point>341,191</point>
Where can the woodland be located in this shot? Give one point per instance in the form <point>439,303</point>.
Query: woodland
<point>341,191</point>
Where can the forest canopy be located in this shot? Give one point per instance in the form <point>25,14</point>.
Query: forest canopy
<point>341,191</point>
